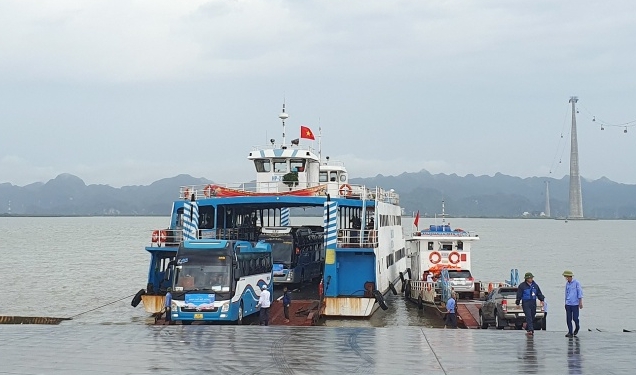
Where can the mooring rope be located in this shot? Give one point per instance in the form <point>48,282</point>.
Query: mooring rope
<point>104,305</point>
<point>433,351</point>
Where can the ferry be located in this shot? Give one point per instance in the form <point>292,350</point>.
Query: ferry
<point>440,262</point>
<point>362,256</point>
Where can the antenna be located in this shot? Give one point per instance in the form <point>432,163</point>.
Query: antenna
<point>319,142</point>
<point>443,213</point>
<point>283,116</point>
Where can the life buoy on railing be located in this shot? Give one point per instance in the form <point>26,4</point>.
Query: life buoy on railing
<point>155,236</point>
<point>207,191</point>
<point>163,236</point>
<point>453,257</point>
<point>186,193</point>
<point>435,257</point>
<point>345,190</point>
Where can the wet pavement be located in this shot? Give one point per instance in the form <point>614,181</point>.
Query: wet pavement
<point>136,349</point>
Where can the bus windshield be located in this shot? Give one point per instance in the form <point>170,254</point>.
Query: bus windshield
<point>203,270</point>
<point>282,249</point>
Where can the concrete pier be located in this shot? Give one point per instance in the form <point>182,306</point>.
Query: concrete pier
<point>137,349</point>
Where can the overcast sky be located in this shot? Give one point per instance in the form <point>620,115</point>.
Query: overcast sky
<point>127,92</point>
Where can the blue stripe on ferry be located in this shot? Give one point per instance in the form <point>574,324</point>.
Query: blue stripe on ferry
<point>330,223</point>
<point>284,217</point>
<point>190,220</point>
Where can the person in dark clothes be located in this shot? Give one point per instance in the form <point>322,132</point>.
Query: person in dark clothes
<point>528,292</point>
<point>286,303</point>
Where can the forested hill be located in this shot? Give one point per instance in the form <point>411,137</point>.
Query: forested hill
<point>469,196</point>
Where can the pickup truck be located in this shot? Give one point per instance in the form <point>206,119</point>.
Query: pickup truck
<point>500,309</point>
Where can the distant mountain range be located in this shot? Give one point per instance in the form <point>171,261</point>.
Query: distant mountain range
<point>469,196</point>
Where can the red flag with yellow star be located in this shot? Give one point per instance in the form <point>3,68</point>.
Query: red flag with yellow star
<point>305,132</point>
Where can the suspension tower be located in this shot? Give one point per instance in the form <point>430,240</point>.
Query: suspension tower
<point>547,199</point>
<point>576,201</point>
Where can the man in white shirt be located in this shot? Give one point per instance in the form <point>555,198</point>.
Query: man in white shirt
<point>264,303</point>
<point>429,278</point>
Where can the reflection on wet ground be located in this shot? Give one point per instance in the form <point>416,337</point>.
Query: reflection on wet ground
<point>138,349</point>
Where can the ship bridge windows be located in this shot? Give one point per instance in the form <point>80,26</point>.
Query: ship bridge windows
<point>460,245</point>
<point>262,165</point>
<point>280,165</point>
<point>447,246</point>
<point>343,177</point>
<point>323,177</point>
<point>430,245</point>
<point>297,165</point>
<point>333,176</point>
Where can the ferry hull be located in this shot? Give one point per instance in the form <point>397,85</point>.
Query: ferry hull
<point>350,306</point>
<point>153,304</point>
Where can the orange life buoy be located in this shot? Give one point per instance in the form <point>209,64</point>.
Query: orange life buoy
<point>345,190</point>
<point>186,193</point>
<point>155,236</point>
<point>453,257</point>
<point>163,236</point>
<point>207,191</point>
<point>435,257</point>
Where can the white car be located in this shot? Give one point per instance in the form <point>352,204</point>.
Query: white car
<point>462,282</point>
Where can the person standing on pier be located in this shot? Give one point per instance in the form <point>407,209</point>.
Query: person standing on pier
<point>286,303</point>
<point>451,316</point>
<point>264,304</point>
<point>527,293</point>
<point>167,304</point>
<point>545,315</point>
<point>573,302</point>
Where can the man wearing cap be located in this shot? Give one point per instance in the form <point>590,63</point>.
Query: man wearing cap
<point>527,293</point>
<point>573,302</point>
<point>264,304</point>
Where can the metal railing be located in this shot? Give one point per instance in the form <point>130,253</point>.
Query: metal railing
<point>357,238</point>
<point>333,188</point>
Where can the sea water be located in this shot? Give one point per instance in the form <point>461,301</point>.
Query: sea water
<point>89,267</point>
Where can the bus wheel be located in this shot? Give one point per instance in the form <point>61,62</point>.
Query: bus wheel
<point>239,321</point>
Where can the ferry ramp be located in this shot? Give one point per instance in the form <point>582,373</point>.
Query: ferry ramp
<point>72,348</point>
<point>468,314</point>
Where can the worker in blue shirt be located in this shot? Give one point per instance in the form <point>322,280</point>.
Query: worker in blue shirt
<point>573,302</point>
<point>168,305</point>
<point>528,292</point>
<point>545,315</point>
<point>451,316</point>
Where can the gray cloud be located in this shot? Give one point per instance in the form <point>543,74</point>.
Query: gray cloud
<point>127,92</point>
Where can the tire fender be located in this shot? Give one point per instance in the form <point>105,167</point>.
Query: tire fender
<point>137,298</point>
<point>380,299</point>
<point>392,287</point>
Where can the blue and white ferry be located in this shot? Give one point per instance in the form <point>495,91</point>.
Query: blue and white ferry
<point>364,245</point>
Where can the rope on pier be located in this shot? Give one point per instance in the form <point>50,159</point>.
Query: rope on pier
<point>433,351</point>
<point>99,307</point>
<point>47,319</point>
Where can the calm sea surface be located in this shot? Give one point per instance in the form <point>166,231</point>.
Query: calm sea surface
<point>62,267</point>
